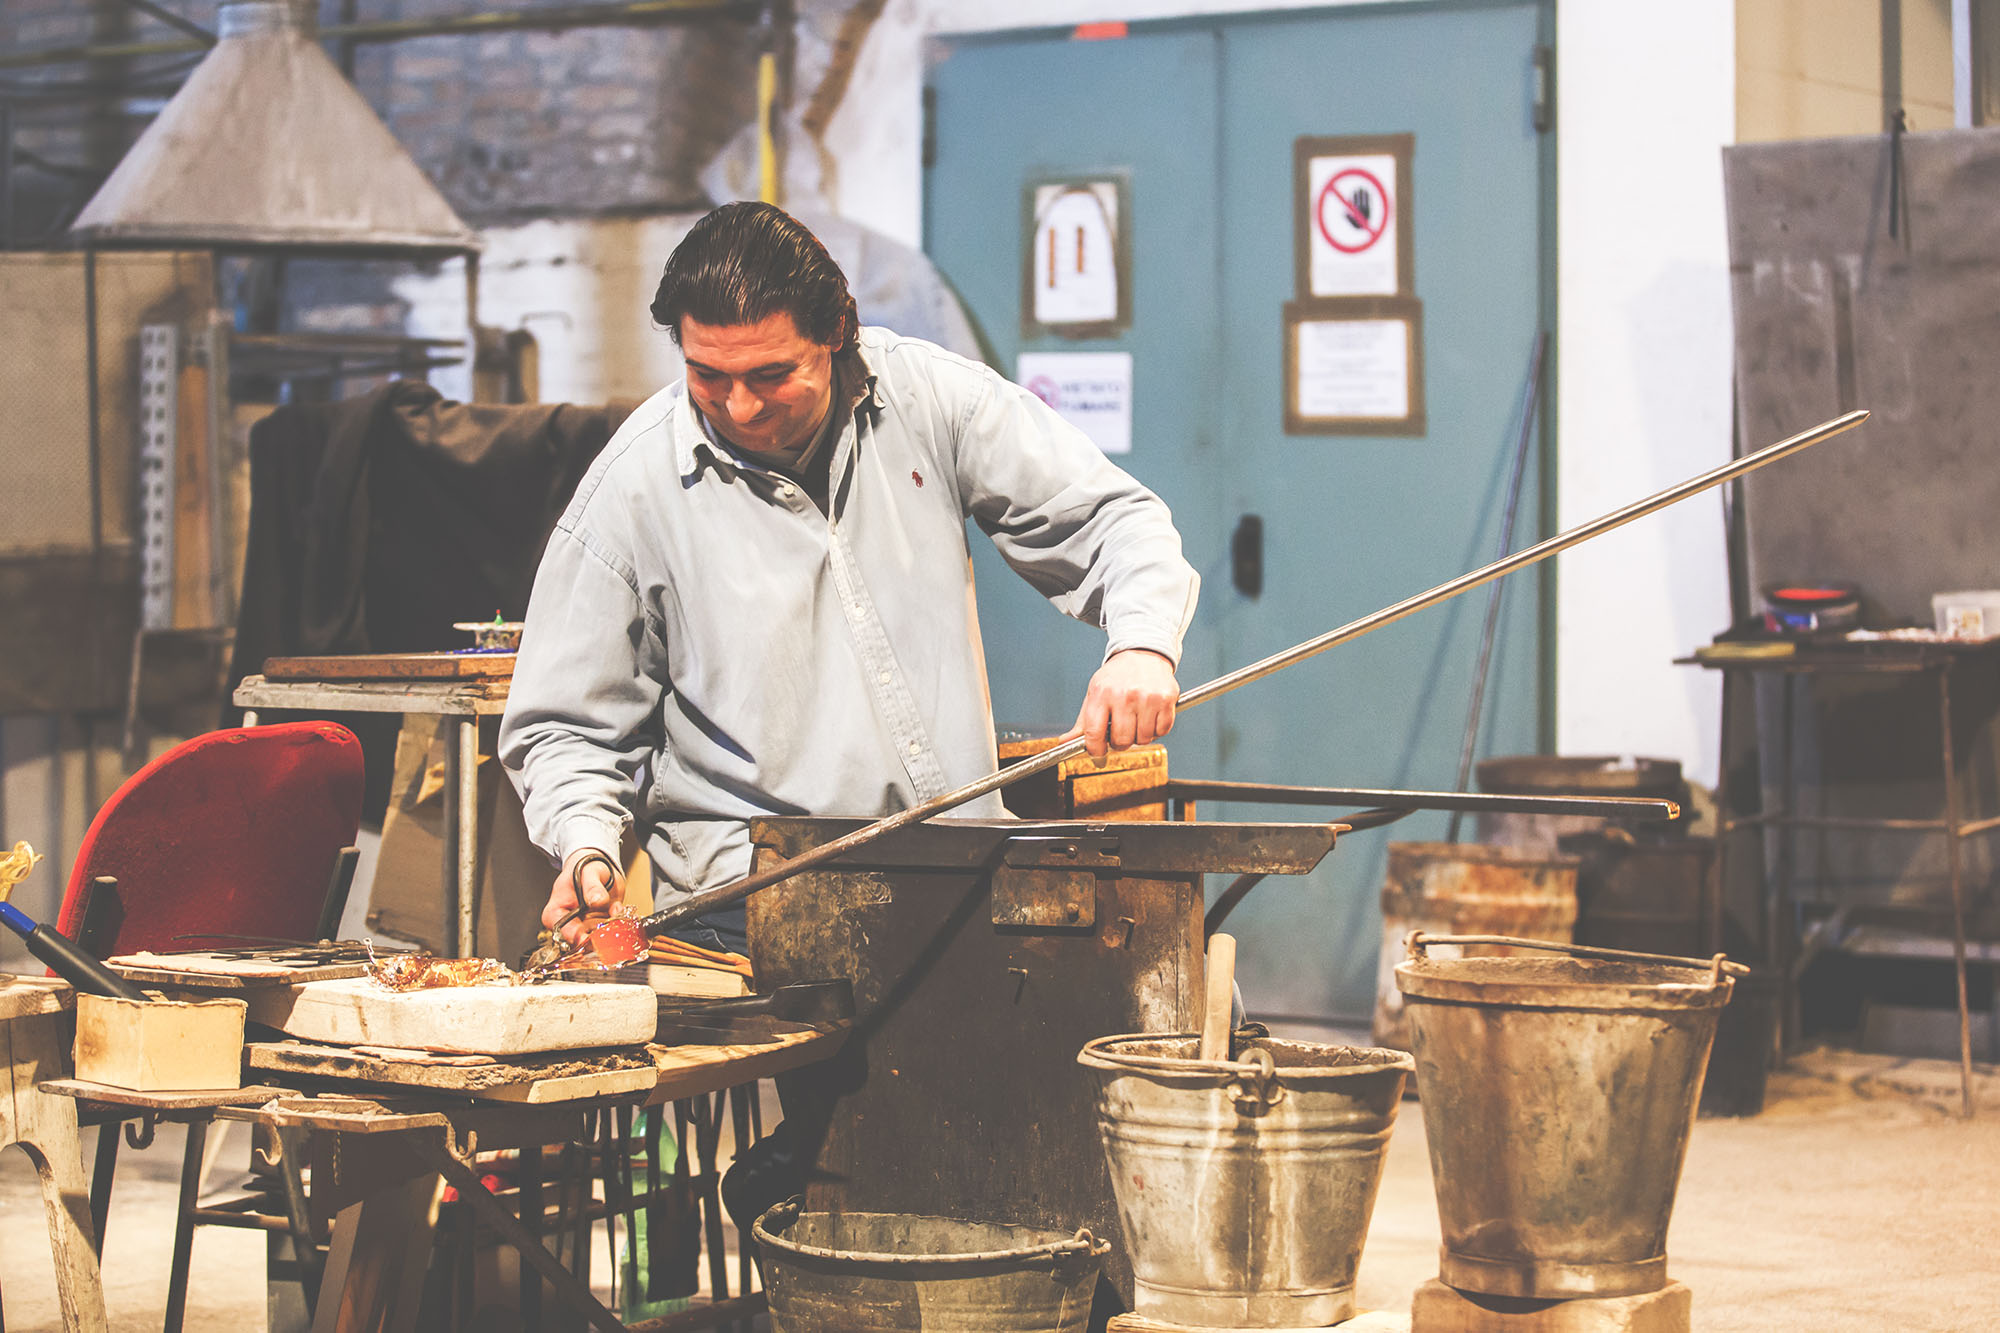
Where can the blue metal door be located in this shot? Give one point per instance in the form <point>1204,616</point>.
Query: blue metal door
<point>1009,113</point>
<point>1203,116</point>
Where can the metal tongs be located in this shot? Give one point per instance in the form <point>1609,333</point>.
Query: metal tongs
<point>629,945</point>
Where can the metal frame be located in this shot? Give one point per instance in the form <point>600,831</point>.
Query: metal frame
<point>1785,951</point>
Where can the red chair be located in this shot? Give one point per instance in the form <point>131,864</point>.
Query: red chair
<point>235,832</point>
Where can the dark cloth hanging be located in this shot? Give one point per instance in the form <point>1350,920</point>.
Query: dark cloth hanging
<point>378,521</point>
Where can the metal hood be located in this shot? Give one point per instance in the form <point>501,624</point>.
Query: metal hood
<point>266,144</point>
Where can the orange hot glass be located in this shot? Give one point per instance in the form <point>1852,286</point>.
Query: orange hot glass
<point>616,941</point>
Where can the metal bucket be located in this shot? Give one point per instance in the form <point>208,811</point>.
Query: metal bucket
<point>1244,1187</point>
<point>1558,1094</point>
<point>1462,888</point>
<point>889,1272</point>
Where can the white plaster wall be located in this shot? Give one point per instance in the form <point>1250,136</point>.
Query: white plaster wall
<point>1646,94</point>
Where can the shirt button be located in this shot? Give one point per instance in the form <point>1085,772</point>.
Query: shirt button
<point>884,678</point>
<point>787,490</point>
<point>915,748</point>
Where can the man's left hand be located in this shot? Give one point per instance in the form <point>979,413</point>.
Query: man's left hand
<point>1130,702</point>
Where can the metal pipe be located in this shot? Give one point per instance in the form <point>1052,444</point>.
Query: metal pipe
<point>637,12</point>
<point>1957,891</point>
<point>1263,793</point>
<point>167,16</point>
<point>6,175</point>
<point>730,894</point>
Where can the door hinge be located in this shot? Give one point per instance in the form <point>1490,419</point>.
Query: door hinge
<point>929,138</point>
<point>1544,89</point>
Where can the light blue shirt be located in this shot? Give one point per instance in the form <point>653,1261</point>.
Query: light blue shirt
<point>704,646</point>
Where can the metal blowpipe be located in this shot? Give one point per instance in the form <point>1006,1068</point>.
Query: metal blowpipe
<point>689,908</point>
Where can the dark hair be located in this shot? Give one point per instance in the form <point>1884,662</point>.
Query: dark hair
<point>746,262</point>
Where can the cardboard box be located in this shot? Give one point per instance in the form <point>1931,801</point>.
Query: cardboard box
<point>161,1046</point>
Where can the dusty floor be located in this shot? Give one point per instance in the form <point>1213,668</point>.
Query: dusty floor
<point>1858,1200</point>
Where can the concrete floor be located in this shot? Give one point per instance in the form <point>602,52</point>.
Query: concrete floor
<point>1858,1200</point>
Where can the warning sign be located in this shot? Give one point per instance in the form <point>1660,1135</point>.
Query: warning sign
<point>1353,229</point>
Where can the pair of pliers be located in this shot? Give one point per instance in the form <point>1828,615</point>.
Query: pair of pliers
<point>552,951</point>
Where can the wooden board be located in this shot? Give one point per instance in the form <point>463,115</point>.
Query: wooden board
<point>561,1076</point>
<point>222,970</point>
<point>21,996</point>
<point>255,1094</point>
<point>392,666</point>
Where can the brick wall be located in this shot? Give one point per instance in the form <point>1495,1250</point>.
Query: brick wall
<point>583,122</point>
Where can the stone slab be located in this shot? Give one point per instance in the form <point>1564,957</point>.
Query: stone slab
<point>481,1020</point>
<point>1441,1309</point>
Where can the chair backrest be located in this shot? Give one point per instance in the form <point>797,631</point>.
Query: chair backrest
<point>235,831</point>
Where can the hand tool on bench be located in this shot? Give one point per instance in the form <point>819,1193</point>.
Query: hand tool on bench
<point>555,951</point>
<point>807,1006</point>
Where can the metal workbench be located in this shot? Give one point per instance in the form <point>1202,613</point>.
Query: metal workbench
<point>1787,950</point>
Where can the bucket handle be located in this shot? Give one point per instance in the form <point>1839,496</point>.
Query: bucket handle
<point>1718,965</point>
<point>1080,1246</point>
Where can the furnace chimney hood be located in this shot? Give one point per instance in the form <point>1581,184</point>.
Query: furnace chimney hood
<point>266,144</point>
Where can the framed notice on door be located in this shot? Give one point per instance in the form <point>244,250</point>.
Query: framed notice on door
<point>1351,233</point>
<point>1354,368</point>
<point>1075,273</point>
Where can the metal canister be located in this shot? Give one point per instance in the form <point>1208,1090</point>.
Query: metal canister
<point>1244,1186</point>
<point>1558,1094</point>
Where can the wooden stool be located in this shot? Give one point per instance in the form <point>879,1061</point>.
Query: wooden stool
<point>44,1125</point>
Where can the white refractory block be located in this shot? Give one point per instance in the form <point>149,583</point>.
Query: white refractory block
<point>478,1020</point>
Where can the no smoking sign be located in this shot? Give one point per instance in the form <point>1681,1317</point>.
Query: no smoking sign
<point>1352,232</point>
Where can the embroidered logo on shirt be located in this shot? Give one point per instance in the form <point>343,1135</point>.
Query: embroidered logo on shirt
<point>917,477</point>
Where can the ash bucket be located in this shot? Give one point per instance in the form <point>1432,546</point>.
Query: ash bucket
<point>1244,1187</point>
<point>897,1273</point>
<point>1558,1094</point>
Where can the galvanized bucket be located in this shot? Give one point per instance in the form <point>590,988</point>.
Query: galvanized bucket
<point>892,1272</point>
<point>1244,1187</point>
<point>1558,1094</point>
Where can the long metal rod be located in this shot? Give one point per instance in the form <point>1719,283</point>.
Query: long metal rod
<point>729,895</point>
<point>1491,629</point>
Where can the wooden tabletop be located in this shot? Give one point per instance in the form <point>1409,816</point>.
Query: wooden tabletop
<point>475,698</point>
<point>431,1090</point>
<point>22,996</point>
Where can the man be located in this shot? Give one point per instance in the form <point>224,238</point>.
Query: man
<point>759,600</point>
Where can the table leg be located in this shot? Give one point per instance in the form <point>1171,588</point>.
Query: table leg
<point>177,1277</point>
<point>381,1247</point>
<point>45,1127</point>
<point>104,1169</point>
<point>567,1285</point>
<point>1782,923</point>
<point>531,1220</point>
<point>740,1098</point>
<point>1957,891</point>
<point>464,746</point>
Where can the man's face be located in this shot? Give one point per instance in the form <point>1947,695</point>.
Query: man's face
<point>763,386</point>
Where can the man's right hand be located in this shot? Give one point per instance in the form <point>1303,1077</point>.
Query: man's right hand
<point>603,888</point>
